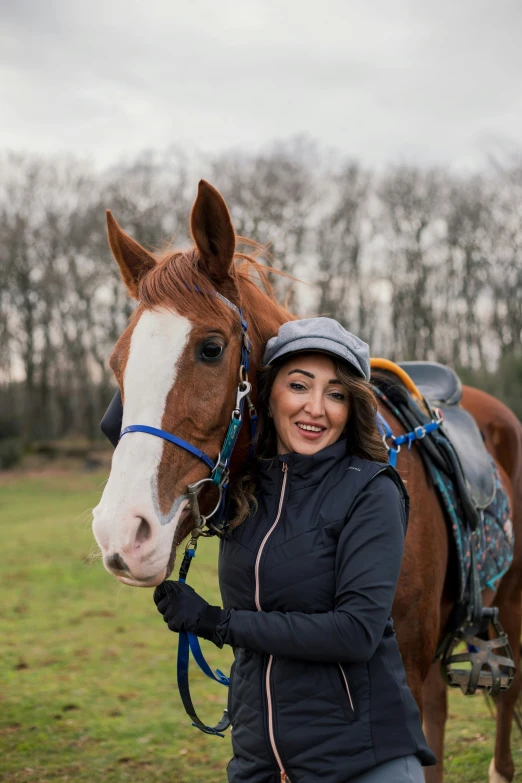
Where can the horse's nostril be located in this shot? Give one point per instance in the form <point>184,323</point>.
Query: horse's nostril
<point>143,533</point>
<point>116,562</point>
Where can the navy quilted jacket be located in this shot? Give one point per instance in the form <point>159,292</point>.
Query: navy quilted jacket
<point>318,690</point>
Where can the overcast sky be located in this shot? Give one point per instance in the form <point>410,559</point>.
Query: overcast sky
<point>382,80</point>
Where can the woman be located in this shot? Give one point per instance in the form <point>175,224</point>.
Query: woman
<point>308,573</point>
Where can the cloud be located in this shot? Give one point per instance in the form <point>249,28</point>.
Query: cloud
<point>380,81</point>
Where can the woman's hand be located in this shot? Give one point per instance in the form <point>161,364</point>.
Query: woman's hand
<point>184,610</point>
<point>180,606</point>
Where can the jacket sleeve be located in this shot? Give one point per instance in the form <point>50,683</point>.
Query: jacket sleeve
<point>368,563</point>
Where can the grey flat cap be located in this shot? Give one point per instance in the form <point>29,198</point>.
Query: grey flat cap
<point>319,334</point>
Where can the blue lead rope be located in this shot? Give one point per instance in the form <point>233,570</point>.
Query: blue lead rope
<point>185,643</point>
<point>189,642</point>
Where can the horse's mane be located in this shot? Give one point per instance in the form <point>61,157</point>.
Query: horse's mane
<point>179,280</point>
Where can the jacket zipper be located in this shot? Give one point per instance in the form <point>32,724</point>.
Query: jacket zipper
<point>347,686</point>
<point>284,778</point>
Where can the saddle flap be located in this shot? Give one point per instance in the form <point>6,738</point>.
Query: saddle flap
<point>463,433</point>
<point>436,382</point>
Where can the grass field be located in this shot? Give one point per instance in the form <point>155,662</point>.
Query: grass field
<point>87,667</point>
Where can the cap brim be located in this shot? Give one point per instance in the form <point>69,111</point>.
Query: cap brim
<point>286,353</point>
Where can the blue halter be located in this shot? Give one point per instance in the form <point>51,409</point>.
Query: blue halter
<point>171,438</point>
<point>219,475</point>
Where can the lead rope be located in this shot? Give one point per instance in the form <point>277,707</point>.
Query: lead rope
<point>189,642</point>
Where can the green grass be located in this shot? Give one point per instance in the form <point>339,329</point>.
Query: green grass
<point>87,667</point>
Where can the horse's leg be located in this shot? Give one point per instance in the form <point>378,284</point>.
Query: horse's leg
<point>503,435</point>
<point>508,443</point>
<point>435,692</point>
<point>417,607</point>
<point>508,600</point>
<point>435,701</point>
<point>419,613</point>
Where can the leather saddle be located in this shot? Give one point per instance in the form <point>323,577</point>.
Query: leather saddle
<point>442,388</point>
<point>432,392</point>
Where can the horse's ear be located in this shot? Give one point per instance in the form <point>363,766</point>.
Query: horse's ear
<point>133,260</point>
<point>213,233</point>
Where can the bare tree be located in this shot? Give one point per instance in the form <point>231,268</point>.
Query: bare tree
<point>272,197</point>
<point>423,264</point>
<point>340,244</point>
<point>410,200</point>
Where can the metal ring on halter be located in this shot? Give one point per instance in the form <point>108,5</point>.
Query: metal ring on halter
<point>396,447</point>
<point>420,432</point>
<point>193,492</point>
<point>219,464</point>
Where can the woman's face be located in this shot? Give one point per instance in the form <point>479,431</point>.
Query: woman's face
<point>309,406</point>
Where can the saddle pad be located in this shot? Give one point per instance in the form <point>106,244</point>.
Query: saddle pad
<point>437,382</point>
<point>494,540</point>
<point>463,432</point>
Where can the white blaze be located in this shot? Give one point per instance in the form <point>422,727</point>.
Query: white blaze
<point>157,343</point>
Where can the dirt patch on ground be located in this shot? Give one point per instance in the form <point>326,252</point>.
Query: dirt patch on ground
<point>62,466</point>
<point>60,458</point>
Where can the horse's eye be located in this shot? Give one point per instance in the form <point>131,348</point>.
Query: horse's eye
<point>212,350</point>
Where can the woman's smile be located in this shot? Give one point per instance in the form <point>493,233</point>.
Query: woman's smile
<point>310,431</point>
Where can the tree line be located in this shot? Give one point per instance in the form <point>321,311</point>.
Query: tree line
<point>422,263</point>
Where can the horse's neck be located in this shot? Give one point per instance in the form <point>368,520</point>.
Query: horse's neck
<point>264,317</point>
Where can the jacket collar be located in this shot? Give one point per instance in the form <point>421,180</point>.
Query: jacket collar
<point>308,466</point>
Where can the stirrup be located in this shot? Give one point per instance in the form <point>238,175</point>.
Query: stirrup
<point>486,669</point>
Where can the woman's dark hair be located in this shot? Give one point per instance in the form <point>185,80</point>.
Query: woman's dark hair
<point>362,436</point>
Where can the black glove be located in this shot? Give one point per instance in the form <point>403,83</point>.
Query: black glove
<point>184,610</point>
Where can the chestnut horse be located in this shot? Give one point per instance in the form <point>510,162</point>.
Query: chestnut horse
<point>177,367</point>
